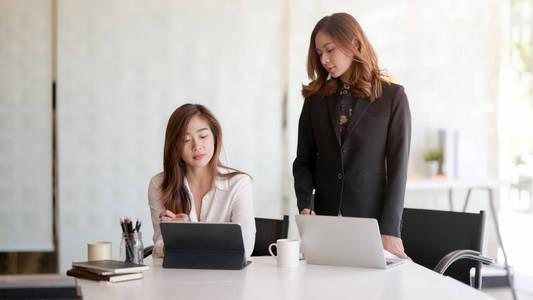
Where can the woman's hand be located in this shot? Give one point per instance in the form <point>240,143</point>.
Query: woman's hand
<point>182,218</point>
<point>306,211</point>
<point>394,245</point>
<point>167,215</point>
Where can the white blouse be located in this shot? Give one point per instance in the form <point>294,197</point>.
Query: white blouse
<point>230,200</point>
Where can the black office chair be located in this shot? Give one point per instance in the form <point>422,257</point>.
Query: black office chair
<point>148,251</point>
<point>267,232</point>
<point>446,242</point>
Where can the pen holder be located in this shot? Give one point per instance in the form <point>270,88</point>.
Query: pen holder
<point>131,247</point>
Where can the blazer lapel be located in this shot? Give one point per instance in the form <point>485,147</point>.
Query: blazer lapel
<point>361,106</point>
<point>334,116</point>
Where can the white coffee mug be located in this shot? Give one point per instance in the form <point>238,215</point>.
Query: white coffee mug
<point>288,252</point>
<point>98,251</point>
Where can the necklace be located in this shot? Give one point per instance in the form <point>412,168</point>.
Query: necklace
<point>345,90</point>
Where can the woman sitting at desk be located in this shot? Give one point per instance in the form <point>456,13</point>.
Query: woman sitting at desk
<point>195,186</point>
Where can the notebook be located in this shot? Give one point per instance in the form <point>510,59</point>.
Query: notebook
<point>85,274</point>
<point>94,271</point>
<point>113,266</point>
<point>343,241</point>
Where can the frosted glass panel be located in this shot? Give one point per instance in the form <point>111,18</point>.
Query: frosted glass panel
<point>124,66</point>
<point>25,126</point>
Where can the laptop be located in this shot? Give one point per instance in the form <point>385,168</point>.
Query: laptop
<point>203,246</point>
<point>343,241</point>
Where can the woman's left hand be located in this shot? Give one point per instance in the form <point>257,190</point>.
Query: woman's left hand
<point>167,215</point>
<point>394,245</point>
<point>181,218</point>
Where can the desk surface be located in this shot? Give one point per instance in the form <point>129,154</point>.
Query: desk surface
<point>264,280</point>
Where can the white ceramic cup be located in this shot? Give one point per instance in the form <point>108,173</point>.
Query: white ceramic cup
<point>98,251</point>
<point>288,252</point>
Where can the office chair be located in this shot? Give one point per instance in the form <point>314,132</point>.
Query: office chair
<point>267,232</point>
<point>446,242</point>
<point>147,251</point>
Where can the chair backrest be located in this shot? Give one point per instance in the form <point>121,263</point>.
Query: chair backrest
<point>267,232</point>
<point>428,235</point>
<point>147,251</point>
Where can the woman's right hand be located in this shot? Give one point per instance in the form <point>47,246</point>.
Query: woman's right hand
<point>306,211</point>
<point>167,215</point>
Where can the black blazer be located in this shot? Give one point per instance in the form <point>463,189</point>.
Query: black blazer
<point>366,175</point>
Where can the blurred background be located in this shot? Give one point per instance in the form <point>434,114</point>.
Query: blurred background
<point>86,89</point>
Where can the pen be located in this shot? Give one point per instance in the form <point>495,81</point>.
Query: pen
<point>137,225</point>
<point>130,228</point>
<point>122,225</point>
<point>128,249</point>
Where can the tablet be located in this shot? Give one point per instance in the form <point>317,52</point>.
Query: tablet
<point>203,245</point>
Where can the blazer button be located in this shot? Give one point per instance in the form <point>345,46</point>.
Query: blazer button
<point>339,176</point>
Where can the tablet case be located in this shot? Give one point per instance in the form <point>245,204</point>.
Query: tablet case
<point>203,246</point>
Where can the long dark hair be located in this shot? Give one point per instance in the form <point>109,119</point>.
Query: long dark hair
<point>365,76</point>
<point>174,194</point>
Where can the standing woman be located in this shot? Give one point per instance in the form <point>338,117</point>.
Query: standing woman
<point>354,132</point>
<point>194,186</point>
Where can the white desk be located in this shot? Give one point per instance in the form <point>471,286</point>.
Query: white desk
<point>438,184</point>
<point>264,280</point>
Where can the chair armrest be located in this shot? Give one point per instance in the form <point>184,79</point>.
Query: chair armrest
<point>148,251</point>
<point>453,256</point>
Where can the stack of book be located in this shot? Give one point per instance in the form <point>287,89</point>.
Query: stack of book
<point>107,270</point>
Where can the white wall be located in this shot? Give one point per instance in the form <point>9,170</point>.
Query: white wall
<point>26,125</point>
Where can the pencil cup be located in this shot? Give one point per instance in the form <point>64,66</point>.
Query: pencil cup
<point>132,248</point>
<point>98,251</point>
<point>288,252</point>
